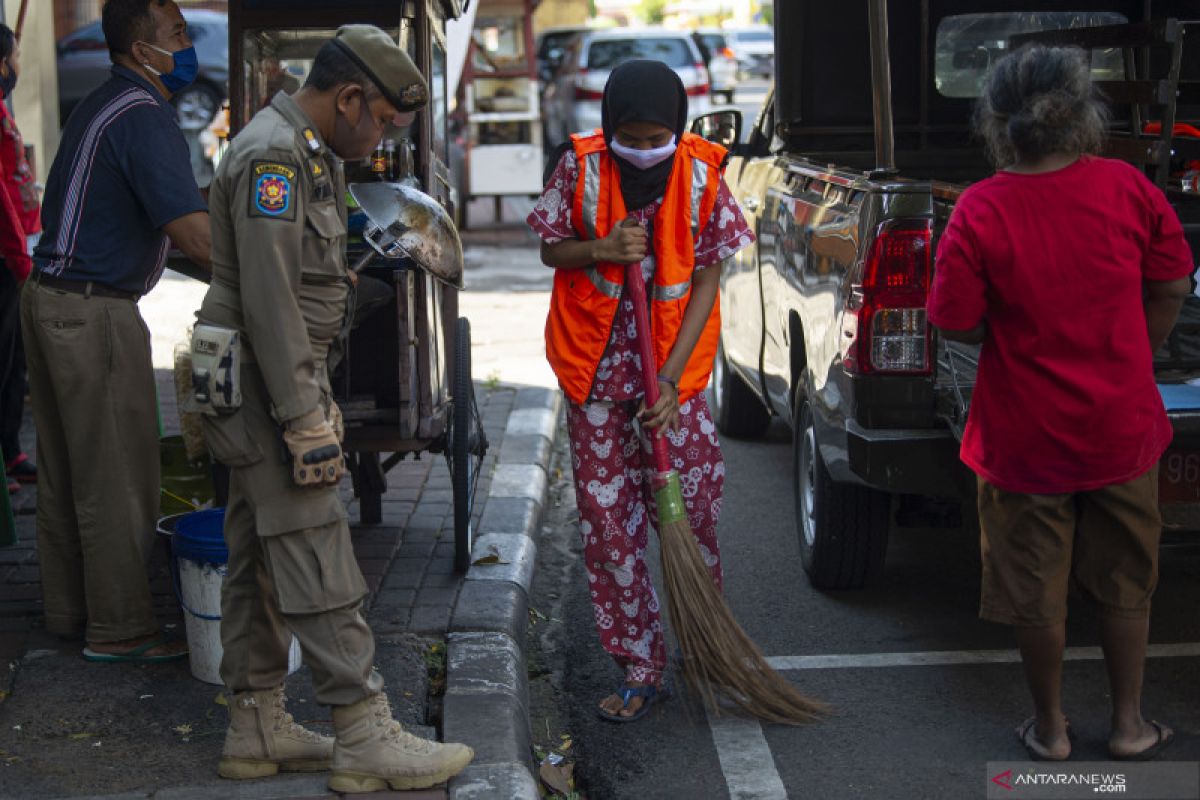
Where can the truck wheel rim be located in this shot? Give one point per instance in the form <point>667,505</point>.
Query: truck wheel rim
<point>807,476</point>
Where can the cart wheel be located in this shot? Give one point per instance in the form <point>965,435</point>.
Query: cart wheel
<point>468,444</point>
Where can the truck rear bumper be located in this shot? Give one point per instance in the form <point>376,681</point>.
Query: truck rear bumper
<point>922,461</point>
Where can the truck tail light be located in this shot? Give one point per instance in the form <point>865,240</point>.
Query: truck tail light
<point>888,326</point>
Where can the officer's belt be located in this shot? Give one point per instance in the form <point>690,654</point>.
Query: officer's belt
<point>85,288</point>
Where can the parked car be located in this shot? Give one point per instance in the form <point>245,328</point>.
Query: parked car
<point>754,49</point>
<point>84,64</point>
<point>721,62</point>
<point>550,46</point>
<point>823,319</point>
<point>573,102</point>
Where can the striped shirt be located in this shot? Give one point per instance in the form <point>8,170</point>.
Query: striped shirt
<point>122,172</point>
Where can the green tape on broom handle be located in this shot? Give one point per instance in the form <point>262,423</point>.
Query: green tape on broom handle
<point>8,526</point>
<point>669,499</point>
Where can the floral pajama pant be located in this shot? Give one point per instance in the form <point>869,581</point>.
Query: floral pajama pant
<point>613,461</point>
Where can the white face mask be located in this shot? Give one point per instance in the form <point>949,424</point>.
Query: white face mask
<point>644,159</point>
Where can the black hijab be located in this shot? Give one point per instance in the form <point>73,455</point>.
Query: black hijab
<point>643,91</point>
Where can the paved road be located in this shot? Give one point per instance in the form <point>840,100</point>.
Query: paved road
<point>899,731</point>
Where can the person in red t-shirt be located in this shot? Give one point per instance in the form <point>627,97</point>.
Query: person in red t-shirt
<point>19,211</point>
<point>1070,270</point>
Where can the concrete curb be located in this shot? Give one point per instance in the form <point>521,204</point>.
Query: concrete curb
<point>487,686</point>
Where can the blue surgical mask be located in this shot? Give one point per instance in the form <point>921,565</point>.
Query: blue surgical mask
<point>187,66</point>
<point>644,159</point>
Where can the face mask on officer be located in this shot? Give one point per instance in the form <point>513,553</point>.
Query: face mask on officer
<point>183,72</point>
<point>355,140</point>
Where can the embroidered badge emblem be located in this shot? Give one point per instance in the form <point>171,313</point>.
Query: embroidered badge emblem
<point>273,186</point>
<point>414,95</point>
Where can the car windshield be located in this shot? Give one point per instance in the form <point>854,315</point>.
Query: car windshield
<point>713,41</point>
<point>607,54</point>
<point>755,36</point>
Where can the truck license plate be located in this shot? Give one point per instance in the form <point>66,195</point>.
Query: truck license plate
<point>1179,477</point>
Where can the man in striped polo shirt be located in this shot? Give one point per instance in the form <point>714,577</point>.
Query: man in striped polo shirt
<point>120,185</point>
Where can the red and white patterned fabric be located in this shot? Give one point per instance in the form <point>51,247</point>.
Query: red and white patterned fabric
<point>612,462</point>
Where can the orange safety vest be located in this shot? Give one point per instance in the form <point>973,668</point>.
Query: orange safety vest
<point>583,305</point>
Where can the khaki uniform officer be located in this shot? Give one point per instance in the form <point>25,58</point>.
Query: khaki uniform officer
<point>280,284</point>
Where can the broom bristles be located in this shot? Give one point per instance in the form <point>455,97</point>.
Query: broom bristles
<point>717,653</point>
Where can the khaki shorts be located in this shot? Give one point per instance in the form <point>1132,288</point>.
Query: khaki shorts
<point>1034,545</point>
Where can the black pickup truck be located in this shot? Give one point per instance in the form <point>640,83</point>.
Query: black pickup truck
<point>849,175</point>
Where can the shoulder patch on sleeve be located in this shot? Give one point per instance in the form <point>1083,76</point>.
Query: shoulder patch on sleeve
<point>272,190</point>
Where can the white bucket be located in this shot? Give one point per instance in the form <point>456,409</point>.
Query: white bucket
<point>199,556</point>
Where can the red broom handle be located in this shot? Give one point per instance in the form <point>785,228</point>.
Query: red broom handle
<point>641,317</point>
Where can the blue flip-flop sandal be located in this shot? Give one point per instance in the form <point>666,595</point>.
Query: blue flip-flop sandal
<point>651,695</point>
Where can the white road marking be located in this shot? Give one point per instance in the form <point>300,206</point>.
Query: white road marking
<point>952,657</point>
<point>745,757</point>
<point>746,760</point>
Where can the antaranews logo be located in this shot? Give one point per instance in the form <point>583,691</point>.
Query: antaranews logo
<point>1003,780</point>
<point>1034,778</point>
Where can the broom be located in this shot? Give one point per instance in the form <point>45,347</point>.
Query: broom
<point>717,653</point>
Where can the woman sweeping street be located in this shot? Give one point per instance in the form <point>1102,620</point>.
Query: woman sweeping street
<point>639,191</point>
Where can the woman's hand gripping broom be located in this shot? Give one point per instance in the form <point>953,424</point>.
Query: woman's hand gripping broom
<point>717,653</point>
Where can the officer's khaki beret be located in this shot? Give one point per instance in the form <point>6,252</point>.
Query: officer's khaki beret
<point>389,67</point>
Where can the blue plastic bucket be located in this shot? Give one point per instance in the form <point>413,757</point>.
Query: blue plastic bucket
<point>200,537</point>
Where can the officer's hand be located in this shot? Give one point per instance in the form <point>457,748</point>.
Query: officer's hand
<point>316,455</point>
<point>625,244</point>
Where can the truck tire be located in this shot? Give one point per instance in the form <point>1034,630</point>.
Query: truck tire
<point>843,527</point>
<point>738,411</point>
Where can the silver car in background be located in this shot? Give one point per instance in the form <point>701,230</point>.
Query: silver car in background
<point>572,101</point>
<point>754,48</point>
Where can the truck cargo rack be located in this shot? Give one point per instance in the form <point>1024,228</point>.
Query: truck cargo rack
<point>1140,90</point>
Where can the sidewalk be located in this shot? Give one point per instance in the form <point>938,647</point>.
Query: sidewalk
<point>70,728</point>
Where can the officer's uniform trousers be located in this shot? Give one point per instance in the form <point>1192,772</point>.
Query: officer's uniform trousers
<point>92,383</point>
<point>291,566</point>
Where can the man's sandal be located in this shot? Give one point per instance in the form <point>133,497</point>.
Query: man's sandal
<point>649,694</point>
<point>137,655</point>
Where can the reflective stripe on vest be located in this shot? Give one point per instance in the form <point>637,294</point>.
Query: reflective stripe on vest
<point>676,291</point>
<point>699,183</point>
<point>603,285</point>
<point>591,196</point>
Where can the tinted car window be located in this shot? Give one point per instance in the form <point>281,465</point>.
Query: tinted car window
<point>608,54</point>
<point>713,41</point>
<point>756,36</point>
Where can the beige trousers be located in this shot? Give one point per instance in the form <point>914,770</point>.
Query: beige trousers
<point>92,385</point>
<point>291,565</point>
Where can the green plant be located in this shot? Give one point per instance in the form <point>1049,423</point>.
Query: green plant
<point>652,11</point>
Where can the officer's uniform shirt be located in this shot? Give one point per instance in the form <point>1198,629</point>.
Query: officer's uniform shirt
<point>122,172</point>
<point>278,253</point>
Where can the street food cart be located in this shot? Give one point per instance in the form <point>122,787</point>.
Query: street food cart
<point>404,380</point>
<point>504,155</point>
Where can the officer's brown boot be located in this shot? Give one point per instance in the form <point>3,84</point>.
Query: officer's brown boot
<point>373,752</point>
<point>263,739</point>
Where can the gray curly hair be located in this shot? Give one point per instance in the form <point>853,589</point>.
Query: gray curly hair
<point>1037,101</point>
